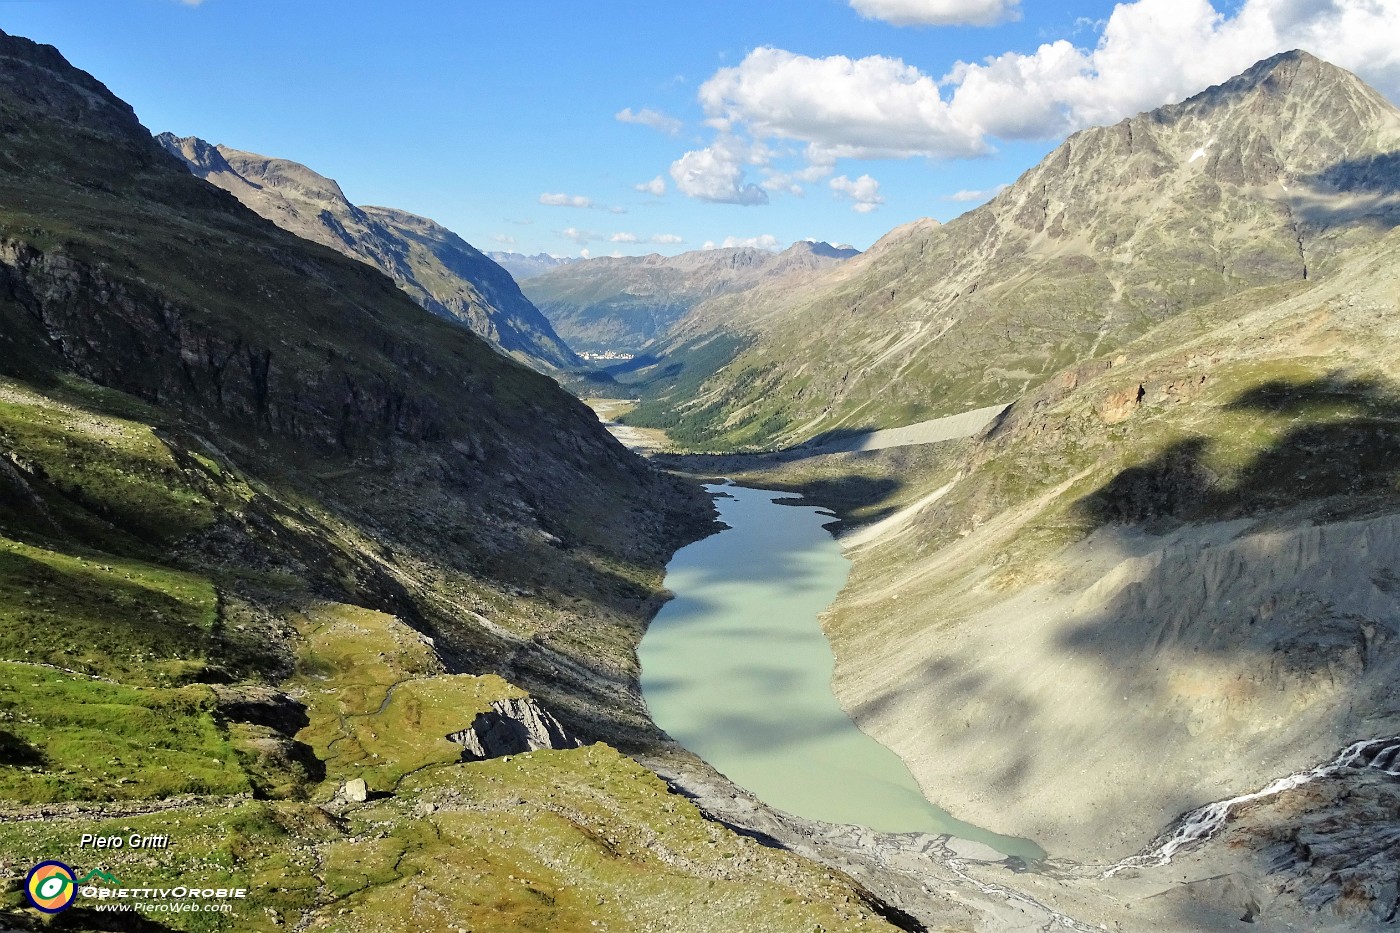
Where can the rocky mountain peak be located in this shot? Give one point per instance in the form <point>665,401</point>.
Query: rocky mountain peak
<point>68,94</point>
<point>821,248</point>
<point>77,130</point>
<point>203,158</point>
<point>1289,115</point>
<point>1292,124</point>
<point>1293,74</point>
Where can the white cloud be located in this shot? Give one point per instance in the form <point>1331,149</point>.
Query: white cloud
<point>1154,52</point>
<point>1147,53</point>
<point>716,173</point>
<point>581,237</point>
<point>875,107</point>
<point>566,200</point>
<point>656,187</point>
<point>652,118</point>
<point>584,254</point>
<point>504,239</point>
<point>789,181</point>
<point>765,241</point>
<point>623,238</point>
<point>938,12</point>
<point>667,239</point>
<point>863,191</point>
<point>968,196</point>
<point>578,200</point>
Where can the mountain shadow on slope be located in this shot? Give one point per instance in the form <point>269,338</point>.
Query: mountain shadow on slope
<point>1344,456</point>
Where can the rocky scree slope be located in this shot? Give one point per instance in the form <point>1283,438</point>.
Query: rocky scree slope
<point>437,268</point>
<point>268,528</point>
<point>1264,179</point>
<point>624,303</point>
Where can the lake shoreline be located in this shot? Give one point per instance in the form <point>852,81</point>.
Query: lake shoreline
<point>745,613</point>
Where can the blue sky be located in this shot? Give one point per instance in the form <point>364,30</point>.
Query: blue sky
<point>759,121</point>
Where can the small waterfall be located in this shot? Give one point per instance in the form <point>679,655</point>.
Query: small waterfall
<point>1204,822</point>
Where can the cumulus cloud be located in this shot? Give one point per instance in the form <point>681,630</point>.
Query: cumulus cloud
<point>652,118</point>
<point>656,187</point>
<point>874,107</point>
<point>717,173</point>
<point>566,200</point>
<point>790,181</point>
<point>764,241</point>
<point>864,192</point>
<point>1154,52</point>
<point>504,239</point>
<point>1145,54</point>
<point>667,239</point>
<point>938,12</point>
<point>623,238</point>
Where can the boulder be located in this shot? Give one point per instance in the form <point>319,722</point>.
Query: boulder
<point>356,791</point>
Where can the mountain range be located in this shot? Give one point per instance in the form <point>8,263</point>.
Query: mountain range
<point>523,267</point>
<point>437,268</point>
<point>623,303</point>
<point>1264,179</point>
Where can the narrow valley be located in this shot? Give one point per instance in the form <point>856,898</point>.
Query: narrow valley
<point>622,549</point>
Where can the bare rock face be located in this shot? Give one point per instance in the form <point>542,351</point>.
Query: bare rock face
<point>512,727</point>
<point>1120,406</point>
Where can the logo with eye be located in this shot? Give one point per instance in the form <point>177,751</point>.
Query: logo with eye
<point>51,887</point>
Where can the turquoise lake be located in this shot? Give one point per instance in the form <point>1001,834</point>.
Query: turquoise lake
<point>736,668</point>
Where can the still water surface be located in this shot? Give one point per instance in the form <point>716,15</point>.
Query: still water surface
<point>736,668</point>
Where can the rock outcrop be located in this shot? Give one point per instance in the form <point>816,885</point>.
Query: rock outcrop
<point>512,727</point>
<point>260,705</point>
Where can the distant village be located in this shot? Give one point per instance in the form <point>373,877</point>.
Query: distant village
<point>604,355</point>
